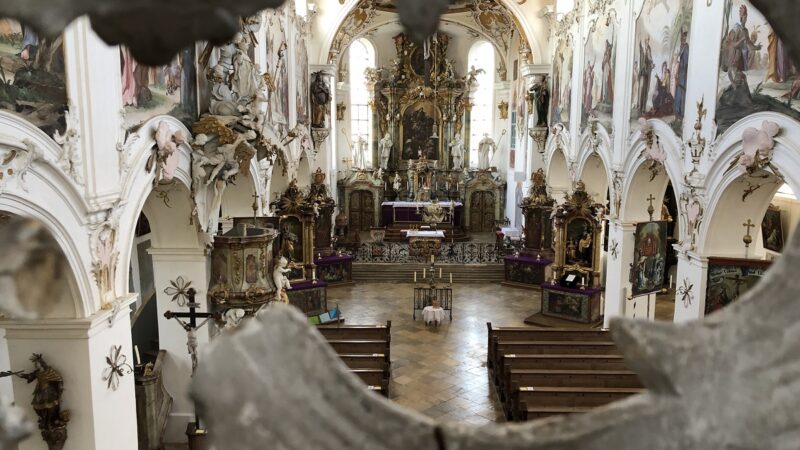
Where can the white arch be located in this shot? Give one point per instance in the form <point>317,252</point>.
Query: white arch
<point>52,198</point>
<point>635,158</point>
<point>786,157</point>
<point>514,9</point>
<point>603,151</point>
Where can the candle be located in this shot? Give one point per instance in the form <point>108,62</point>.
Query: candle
<point>423,273</point>
<point>451,278</point>
<point>138,358</point>
<point>670,281</point>
<point>415,276</point>
<point>431,259</point>
<point>440,272</point>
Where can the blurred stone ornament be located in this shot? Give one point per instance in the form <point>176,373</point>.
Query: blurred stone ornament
<point>420,18</point>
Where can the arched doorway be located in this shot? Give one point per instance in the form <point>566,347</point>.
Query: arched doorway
<point>362,210</point>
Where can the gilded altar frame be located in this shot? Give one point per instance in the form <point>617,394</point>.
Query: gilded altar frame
<point>578,237</point>
<point>296,215</point>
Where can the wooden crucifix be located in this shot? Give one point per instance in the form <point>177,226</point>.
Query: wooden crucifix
<point>191,326</point>
<point>651,209</point>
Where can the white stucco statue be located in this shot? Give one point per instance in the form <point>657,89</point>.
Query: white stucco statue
<point>457,151</point>
<point>385,148</point>
<point>358,153</point>
<point>396,182</point>
<point>485,146</point>
<point>281,280</point>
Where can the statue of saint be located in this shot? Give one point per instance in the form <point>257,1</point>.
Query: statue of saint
<point>385,148</point>
<point>457,151</point>
<point>320,100</point>
<point>485,146</point>
<point>396,183</point>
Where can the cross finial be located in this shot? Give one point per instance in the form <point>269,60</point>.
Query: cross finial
<point>255,207</point>
<point>651,209</point>
<point>749,224</point>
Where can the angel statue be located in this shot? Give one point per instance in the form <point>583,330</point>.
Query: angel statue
<point>471,78</point>
<point>281,280</point>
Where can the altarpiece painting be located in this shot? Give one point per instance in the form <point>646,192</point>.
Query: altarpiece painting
<point>756,72</point>
<point>420,131</point>
<point>599,55</point>
<point>32,77</point>
<point>649,257</point>
<point>661,61</point>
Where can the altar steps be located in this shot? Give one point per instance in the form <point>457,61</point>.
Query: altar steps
<point>404,273</point>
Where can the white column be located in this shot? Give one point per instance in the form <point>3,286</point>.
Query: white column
<point>192,265</point>
<point>618,286</point>
<point>100,418</point>
<point>692,271</point>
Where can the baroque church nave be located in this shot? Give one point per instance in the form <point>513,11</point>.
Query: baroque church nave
<point>382,224</point>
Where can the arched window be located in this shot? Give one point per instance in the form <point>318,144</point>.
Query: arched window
<point>362,57</point>
<point>481,56</point>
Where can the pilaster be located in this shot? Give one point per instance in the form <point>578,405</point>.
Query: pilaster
<point>620,257</point>
<point>690,287</point>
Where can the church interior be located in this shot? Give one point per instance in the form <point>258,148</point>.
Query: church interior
<point>304,224</point>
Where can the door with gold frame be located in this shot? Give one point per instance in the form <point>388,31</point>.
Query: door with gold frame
<point>362,210</point>
<point>481,212</point>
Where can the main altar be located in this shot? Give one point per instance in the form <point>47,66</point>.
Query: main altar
<point>421,114</point>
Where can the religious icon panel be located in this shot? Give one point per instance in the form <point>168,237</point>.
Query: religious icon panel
<point>420,131</point>
<point>649,257</point>
<point>729,278</point>
<point>772,230</point>
<point>580,242</point>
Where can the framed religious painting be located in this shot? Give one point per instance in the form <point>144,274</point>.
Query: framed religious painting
<point>729,278</point>
<point>580,242</point>
<point>772,229</point>
<point>420,131</point>
<point>649,258</point>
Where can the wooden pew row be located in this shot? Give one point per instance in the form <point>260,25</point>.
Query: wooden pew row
<point>512,361</point>
<point>497,334</point>
<point>534,402</point>
<point>365,349</point>
<point>357,332</point>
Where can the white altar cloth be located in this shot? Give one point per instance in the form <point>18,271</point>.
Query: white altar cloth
<point>432,315</point>
<point>424,233</point>
<point>511,233</point>
<point>447,204</point>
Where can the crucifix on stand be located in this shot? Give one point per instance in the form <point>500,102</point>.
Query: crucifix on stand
<point>651,209</point>
<point>191,326</point>
<point>255,208</point>
<point>747,239</point>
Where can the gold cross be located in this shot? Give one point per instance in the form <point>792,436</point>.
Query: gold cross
<point>650,209</point>
<point>749,224</point>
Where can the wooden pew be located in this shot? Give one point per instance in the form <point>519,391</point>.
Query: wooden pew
<point>358,332</point>
<point>360,361</point>
<point>573,378</point>
<point>527,400</point>
<point>512,361</point>
<point>362,346</point>
<point>520,334</point>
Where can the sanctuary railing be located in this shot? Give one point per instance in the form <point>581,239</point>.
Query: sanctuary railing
<point>452,253</point>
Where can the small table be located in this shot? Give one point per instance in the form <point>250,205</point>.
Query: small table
<point>423,298</point>
<point>525,271</point>
<point>432,315</point>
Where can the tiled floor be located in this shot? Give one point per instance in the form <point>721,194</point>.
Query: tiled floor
<point>440,372</point>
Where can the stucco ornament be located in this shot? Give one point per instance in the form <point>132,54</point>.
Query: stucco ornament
<point>164,157</point>
<point>15,162</point>
<point>105,254</point>
<point>653,151</point>
<point>691,209</point>
<point>70,159</point>
<point>757,148</point>
<point>154,31</point>
<point>690,370</point>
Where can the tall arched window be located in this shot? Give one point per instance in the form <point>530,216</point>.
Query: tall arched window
<point>481,56</point>
<point>362,57</point>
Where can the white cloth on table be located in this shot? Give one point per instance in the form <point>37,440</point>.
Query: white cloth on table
<point>432,315</point>
<point>447,204</point>
<point>424,233</point>
<point>511,233</point>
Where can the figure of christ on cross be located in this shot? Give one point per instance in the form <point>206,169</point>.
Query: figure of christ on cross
<point>191,326</point>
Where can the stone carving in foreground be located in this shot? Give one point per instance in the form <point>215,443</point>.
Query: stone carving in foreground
<point>712,384</point>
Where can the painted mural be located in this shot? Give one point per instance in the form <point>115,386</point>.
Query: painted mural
<point>277,66</point>
<point>302,76</point>
<point>150,91</point>
<point>755,72</point>
<point>32,78</point>
<point>600,52</point>
<point>661,64</point>
<point>562,83</point>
